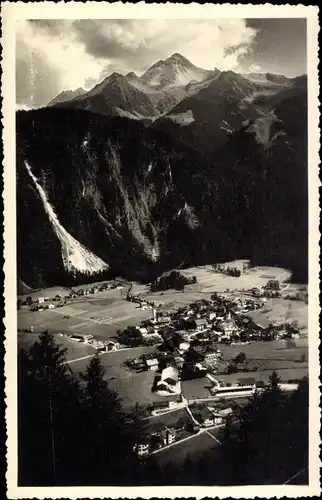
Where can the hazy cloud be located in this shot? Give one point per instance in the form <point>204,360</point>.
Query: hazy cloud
<point>55,55</point>
<point>254,68</point>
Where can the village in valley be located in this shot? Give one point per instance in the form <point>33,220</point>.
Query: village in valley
<point>188,349</point>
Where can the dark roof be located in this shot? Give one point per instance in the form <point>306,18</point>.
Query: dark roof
<point>260,383</point>
<point>201,412</point>
<point>200,321</point>
<point>200,349</point>
<point>246,381</point>
<point>161,404</point>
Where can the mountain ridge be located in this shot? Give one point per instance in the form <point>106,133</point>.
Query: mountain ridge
<point>142,201</point>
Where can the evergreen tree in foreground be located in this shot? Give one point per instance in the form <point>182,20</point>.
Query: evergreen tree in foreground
<point>109,434</point>
<point>47,411</point>
<point>72,433</point>
<point>75,432</point>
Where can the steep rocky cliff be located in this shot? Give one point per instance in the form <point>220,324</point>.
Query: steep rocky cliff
<point>98,195</point>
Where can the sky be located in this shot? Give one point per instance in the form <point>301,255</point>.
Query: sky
<point>57,55</point>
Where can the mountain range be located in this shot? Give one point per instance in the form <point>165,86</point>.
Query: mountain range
<point>178,166</point>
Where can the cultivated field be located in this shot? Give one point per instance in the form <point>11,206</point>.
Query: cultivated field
<point>104,313</point>
<point>275,349</point>
<point>101,315</point>
<point>211,281</point>
<point>294,310</point>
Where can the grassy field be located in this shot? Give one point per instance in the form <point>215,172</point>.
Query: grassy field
<point>210,280</point>
<point>46,292</point>
<point>132,387</point>
<point>104,313</point>
<point>285,374</point>
<point>100,315</point>
<point>195,447</point>
<point>196,388</point>
<point>75,350</point>
<point>282,356</point>
<point>279,309</point>
<point>275,349</point>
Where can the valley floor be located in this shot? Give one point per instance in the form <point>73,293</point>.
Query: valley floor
<point>103,313</point>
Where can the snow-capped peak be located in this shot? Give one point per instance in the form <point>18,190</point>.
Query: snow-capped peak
<point>176,70</point>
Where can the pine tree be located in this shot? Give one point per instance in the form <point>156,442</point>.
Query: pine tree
<point>109,434</point>
<point>47,403</point>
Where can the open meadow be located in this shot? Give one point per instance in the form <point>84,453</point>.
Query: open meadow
<point>195,447</point>
<point>75,350</point>
<point>100,315</point>
<point>210,281</point>
<point>105,312</point>
<point>132,387</point>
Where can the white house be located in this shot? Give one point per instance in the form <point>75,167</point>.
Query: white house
<point>169,383</point>
<point>218,419</point>
<point>211,355</point>
<point>184,346</point>
<point>170,375</point>
<point>51,306</point>
<point>168,436</point>
<point>41,300</point>
<point>152,364</point>
<point>201,324</point>
<point>110,346</point>
<point>224,412</point>
<point>227,327</point>
<point>142,449</point>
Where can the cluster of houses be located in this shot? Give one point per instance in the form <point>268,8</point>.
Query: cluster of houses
<point>90,290</point>
<point>99,345</point>
<point>188,340</point>
<point>186,421</point>
<point>41,303</point>
<point>142,303</point>
<point>157,440</point>
<point>272,289</point>
<point>201,325</point>
<point>229,271</point>
<point>208,416</point>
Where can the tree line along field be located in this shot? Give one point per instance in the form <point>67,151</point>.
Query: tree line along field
<point>208,278</point>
